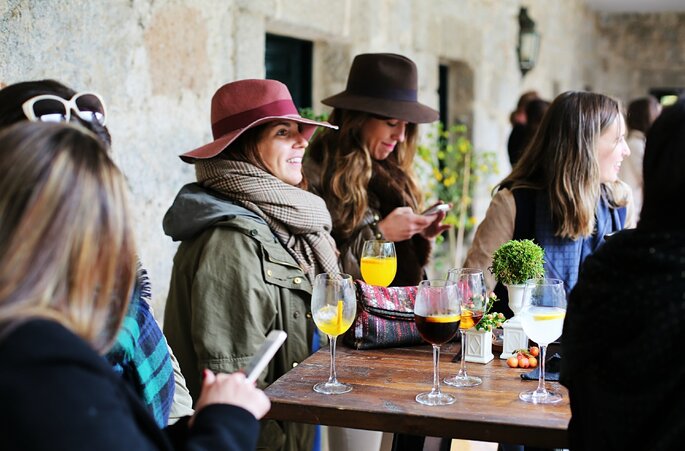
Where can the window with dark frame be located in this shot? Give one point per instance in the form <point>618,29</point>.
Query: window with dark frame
<point>667,96</point>
<point>443,93</point>
<point>289,61</point>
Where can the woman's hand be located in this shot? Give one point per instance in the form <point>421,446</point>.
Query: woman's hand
<point>435,228</point>
<point>232,389</point>
<point>402,223</point>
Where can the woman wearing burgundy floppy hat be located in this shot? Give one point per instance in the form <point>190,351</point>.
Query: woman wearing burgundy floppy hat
<point>365,173</point>
<point>251,243</point>
<point>365,170</point>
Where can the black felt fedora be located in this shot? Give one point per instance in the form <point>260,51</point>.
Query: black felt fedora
<point>384,84</point>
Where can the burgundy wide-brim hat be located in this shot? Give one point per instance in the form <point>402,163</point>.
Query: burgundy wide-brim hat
<point>244,104</point>
<point>384,84</point>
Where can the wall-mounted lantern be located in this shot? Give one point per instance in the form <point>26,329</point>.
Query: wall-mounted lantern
<point>529,42</point>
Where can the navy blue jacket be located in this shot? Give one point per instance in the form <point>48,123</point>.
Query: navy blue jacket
<point>57,393</point>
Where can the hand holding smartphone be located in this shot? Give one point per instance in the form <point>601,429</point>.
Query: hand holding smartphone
<point>264,354</point>
<point>435,209</point>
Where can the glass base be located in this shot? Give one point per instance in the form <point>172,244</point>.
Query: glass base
<point>332,388</point>
<point>435,399</point>
<point>540,397</point>
<point>467,381</point>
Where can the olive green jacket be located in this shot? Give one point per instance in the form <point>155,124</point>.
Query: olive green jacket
<point>231,284</point>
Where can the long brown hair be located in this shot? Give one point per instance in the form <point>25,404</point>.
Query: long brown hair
<point>642,113</point>
<point>562,159</point>
<point>348,168</point>
<point>66,246</point>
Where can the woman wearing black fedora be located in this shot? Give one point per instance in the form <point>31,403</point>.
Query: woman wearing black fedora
<point>364,171</point>
<point>251,243</point>
<point>365,174</point>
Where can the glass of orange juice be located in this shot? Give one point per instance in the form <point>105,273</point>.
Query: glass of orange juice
<point>379,262</point>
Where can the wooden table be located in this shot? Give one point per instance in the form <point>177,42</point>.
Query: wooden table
<point>386,382</point>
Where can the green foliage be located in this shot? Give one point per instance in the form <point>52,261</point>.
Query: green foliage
<point>516,261</point>
<point>310,114</point>
<point>490,320</point>
<point>447,152</point>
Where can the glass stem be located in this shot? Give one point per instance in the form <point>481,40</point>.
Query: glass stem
<point>332,378</point>
<point>541,377</point>
<point>462,370</point>
<point>436,370</point>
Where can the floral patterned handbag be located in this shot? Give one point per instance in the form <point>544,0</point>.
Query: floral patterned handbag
<point>385,318</point>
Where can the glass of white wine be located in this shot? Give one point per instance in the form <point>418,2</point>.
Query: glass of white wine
<point>334,306</point>
<point>471,290</point>
<point>542,319</point>
<point>379,262</point>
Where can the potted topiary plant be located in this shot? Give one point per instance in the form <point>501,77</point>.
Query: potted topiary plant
<point>513,263</point>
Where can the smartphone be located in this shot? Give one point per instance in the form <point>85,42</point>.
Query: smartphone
<point>435,209</point>
<point>263,356</point>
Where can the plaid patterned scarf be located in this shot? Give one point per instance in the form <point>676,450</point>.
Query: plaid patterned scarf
<point>141,356</point>
<point>298,218</point>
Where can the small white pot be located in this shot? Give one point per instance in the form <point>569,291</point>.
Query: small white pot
<point>515,297</point>
<point>514,337</point>
<point>478,346</point>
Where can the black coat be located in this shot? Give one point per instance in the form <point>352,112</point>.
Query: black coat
<point>623,342</point>
<point>57,393</point>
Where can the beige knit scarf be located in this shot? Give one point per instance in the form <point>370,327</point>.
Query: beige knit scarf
<point>298,218</point>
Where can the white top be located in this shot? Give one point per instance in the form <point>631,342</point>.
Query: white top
<point>631,168</point>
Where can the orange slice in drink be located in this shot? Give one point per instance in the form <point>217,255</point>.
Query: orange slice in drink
<point>443,319</point>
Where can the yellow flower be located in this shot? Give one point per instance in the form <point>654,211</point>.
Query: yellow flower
<point>463,146</point>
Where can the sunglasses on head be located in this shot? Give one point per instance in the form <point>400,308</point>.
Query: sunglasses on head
<point>51,108</point>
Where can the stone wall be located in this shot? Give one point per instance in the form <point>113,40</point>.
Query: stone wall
<point>639,52</point>
<point>157,64</point>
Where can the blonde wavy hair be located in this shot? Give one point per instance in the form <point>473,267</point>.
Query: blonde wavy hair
<point>562,159</point>
<point>347,168</point>
<point>66,246</point>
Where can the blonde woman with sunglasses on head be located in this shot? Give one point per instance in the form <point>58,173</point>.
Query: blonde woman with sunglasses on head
<point>64,291</point>
<point>140,354</point>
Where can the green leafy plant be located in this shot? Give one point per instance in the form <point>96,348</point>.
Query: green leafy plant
<point>490,320</point>
<point>516,261</point>
<point>310,114</point>
<point>453,169</point>
<point>450,169</point>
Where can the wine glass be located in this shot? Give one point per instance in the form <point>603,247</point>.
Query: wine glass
<point>542,319</point>
<point>334,306</point>
<point>471,291</point>
<point>379,262</point>
<point>436,313</point>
